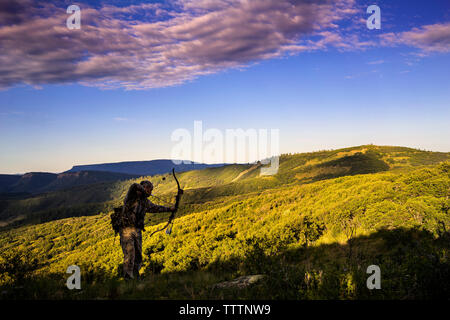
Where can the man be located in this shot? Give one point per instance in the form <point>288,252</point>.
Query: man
<point>136,205</point>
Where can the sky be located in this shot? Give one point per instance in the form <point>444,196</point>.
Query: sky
<point>136,71</point>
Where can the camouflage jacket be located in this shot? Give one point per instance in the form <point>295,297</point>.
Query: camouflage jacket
<point>136,207</point>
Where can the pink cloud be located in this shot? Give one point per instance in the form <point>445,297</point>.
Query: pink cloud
<point>112,50</point>
<point>429,38</point>
<point>155,45</point>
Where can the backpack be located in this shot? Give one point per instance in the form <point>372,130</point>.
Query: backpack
<point>117,219</point>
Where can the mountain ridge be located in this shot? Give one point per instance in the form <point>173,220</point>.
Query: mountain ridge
<point>211,184</point>
<point>40,182</point>
<point>144,168</point>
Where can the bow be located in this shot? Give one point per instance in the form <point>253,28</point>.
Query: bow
<point>177,202</point>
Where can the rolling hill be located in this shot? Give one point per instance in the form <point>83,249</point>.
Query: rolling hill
<point>39,182</point>
<point>312,229</point>
<point>216,182</point>
<point>31,182</point>
<point>7,180</point>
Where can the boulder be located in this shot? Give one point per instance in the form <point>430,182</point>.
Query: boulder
<point>240,283</point>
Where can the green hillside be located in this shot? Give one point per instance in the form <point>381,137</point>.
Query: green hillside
<point>214,183</point>
<point>312,230</point>
<point>94,198</point>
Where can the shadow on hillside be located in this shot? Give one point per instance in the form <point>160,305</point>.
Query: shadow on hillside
<point>414,264</point>
<point>358,163</point>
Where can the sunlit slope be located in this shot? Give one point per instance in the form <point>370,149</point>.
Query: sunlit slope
<point>213,186</point>
<point>103,197</point>
<point>286,217</point>
<point>236,180</point>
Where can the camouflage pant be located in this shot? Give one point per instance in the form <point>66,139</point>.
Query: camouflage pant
<point>131,242</point>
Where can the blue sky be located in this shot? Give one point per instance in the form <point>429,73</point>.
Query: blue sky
<point>386,87</point>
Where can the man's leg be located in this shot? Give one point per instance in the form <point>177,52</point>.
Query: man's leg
<point>128,248</point>
<point>137,253</point>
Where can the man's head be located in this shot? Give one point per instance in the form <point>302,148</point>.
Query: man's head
<point>148,186</point>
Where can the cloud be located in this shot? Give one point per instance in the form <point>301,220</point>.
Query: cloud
<point>429,38</point>
<point>363,74</point>
<point>119,119</point>
<point>376,62</point>
<point>151,45</point>
<point>156,45</point>
<point>12,113</point>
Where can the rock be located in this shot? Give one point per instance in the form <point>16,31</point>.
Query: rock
<point>240,283</point>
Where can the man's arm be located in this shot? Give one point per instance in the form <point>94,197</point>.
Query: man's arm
<point>154,208</point>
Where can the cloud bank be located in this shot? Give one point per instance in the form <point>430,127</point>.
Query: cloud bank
<point>151,45</point>
<point>429,38</point>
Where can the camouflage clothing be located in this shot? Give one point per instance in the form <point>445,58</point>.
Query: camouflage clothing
<point>135,208</point>
<point>131,243</point>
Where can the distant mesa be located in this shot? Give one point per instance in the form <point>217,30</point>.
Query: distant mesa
<point>144,168</point>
